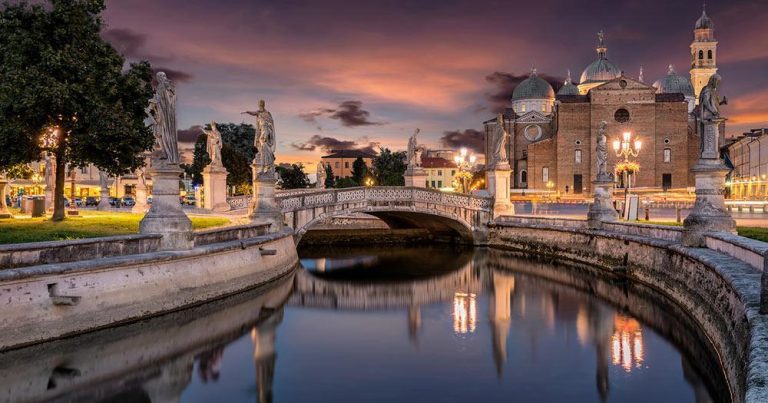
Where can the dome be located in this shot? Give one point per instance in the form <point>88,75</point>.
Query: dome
<point>674,83</point>
<point>533,87</point>
<point>600,70</point>
<point>568,88</point>
<point>704,22</point>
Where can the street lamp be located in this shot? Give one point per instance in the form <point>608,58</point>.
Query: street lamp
<point>626,148</point>
<point>466,164</point>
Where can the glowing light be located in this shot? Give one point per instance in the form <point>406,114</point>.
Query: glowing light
<point>627,135</point>
<point>464,312</point>
<point>616,145</point>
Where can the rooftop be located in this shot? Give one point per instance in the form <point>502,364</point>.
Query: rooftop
<point>349,154</point>
<point>436,162</point>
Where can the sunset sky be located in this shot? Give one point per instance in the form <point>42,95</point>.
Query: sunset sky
<point>354,74</point>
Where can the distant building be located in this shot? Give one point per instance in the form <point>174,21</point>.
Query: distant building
<point>748,154</point>
<point>440,171</point>
<point>341,161</point>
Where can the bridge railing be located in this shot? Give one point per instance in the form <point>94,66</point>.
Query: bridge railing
<point>319,198</point>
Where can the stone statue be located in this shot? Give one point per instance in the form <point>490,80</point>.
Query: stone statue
<point>417,156</point>
<point>413,146</point>
<point>142,176</point>
<point>602,152</point>
<point>162,112</point>
<point>214,145</point>
<point>265,138</point>
<point>103,180</point>
<point>48,173</point>
<point>499,142</point>
<point>709,100</point>
<point>321,176</point>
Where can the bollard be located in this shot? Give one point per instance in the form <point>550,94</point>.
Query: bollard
<point>647,215</point>
<point>677,214</point>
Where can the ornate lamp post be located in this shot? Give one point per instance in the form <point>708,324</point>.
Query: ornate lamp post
<point>466,164</point>
<point>623,148</point>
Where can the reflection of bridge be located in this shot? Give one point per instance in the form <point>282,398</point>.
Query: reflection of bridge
<point>443,214</point>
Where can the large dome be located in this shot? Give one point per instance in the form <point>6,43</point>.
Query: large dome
<point>600,70</point>
<point>533,87</point>
<point>674,83</point>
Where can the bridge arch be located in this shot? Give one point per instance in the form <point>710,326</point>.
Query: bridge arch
<point>400,207</point>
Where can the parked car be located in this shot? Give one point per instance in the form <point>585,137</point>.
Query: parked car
<point>128,201</point>
<point>78,201</point>
<point>91,201</point>
<point>66,202</point>
<point>189,200</point>
<point>114,202</point>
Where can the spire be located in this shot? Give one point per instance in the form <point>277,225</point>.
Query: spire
<point>568,78</point>
<point>640,77</point>
<point>534,72</point>
<point>671,70</point>
<point>601,48</point>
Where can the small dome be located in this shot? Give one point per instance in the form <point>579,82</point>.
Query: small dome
<point>704,22</point>
<point>568,88</point>
<point>533,87</point>
<point>674,83</point>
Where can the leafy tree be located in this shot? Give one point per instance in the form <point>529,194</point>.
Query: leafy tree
<point>238,136</point>
<point>64,90</point>
<point>19,171</point>
<point>236,154</point>
<point>330,179</point>
<point>346,183</point>
<point>389,167</point>
<point>359,170</point>
<point>293,177</point>
<point>238,168</point>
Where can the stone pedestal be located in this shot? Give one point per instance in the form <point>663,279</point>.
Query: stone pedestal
<point>48,199</point>
<point>416,177</point>
<point>601,210</point>
<point>263,207</point>
<point>709,212</point>
<point>215,188</point>
<point>103,200</point>
<point>166,217</point>
<point>4,212</point>
<point>499,185</point>
<point>141,205</point>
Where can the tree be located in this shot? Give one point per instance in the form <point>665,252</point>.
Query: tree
<point>346,183</point>
<point>236,154</point>
<point>200,160</point>
<point>63,90</point>
<point>293,177</point>
<point>238,136</point>
<point>330,179</point>
<point>238,168</point>
<point>389,167</point>
<point>359,170</point>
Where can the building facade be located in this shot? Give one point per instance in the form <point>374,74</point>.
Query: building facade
<point>554,134</point>
<point>342,161</point>
<point>748,154</point>
<point>440,172</point>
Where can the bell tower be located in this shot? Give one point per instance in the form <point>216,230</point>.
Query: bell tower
<point>703,53</point>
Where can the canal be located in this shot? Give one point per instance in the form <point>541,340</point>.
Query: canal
<point>422,323</point>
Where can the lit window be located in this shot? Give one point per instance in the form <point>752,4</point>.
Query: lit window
<point>667,155</point>
<point>577,157</point>
<point>545,174</point>
<point>543,107</point>
<point>522,108</point>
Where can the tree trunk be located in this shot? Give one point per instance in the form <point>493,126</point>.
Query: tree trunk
<point>58,195</point>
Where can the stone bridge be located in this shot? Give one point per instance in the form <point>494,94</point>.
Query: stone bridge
<point>444,214</point>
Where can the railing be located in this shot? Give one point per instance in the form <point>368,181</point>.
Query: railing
<point>293,202</point>
<point>239,202</point>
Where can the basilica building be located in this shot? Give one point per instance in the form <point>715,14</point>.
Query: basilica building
<point>553,134</point>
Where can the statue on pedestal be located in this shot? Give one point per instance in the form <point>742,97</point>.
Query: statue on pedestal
<point>162,113</point>
<point>414,152</point>
<point>48,172</point>
<point>213,145</point>
<point>499,142</point>
<point>265,139</point>
<point>602,153</point>
<point>709,100</point>
<point>321,176</point>
<point>103,180</point>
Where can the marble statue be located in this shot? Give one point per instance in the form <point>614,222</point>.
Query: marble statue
<point>214,145</point>
<point>417,156</point>
<point>321,176</point>
<point>499,142</point>
<point>162,113</point>
<point>709,99</point>
<point>103,180</point>
<point>413,146</point>
<point>602,152</point>
<point>48,173</point>
<point>265,138</point>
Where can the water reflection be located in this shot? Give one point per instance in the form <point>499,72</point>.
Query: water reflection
<point>382,325</point>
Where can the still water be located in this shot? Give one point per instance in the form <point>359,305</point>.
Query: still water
<point>422,324</point>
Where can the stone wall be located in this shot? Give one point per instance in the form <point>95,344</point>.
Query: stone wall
<point>720,293</point>
<point>45,302</point>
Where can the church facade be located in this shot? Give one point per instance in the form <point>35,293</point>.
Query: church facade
<point>553,134</point>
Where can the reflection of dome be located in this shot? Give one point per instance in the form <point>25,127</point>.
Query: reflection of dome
<point>704,22</point>
<point>568,88</point>
<point>674,83</point>
<point>533,87</point>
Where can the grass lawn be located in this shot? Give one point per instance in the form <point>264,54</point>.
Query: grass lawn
<point>757,233</point>
<point>91,224</point>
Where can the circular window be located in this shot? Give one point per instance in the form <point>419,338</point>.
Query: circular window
<point>578,142</point>
<point>623,83</point>
<point>532,132</point>
<point>621,115</point>
<point>666,141</point>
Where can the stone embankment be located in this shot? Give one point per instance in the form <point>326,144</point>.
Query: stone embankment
<point>79,286</point>
<point>718,286</point>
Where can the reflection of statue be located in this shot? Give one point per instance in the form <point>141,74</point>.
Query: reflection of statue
<point>499,142</point>
<point>213,145</point>
<point>413,146</point>
<point>709,100</point>
<point>48,172</point>
<point>602,152</point>
<point>265,138</point>
<point>162,111</point>
<point>321,176</point>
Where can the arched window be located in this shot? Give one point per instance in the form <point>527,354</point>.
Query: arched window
<point>709,54</point>
<point>523,176</point>
<point>701,55</point>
